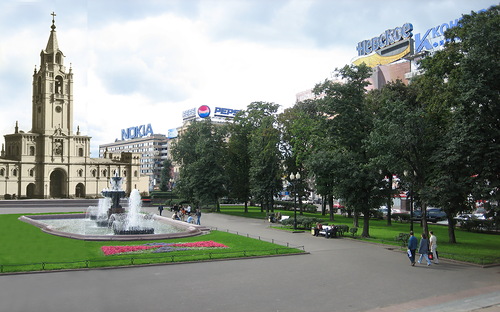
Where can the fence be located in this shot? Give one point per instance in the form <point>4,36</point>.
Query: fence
<point>283,248</point>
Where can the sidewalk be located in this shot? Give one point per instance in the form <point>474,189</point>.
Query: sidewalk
<point>337,275</point>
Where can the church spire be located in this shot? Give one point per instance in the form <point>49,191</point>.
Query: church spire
<point>52,45</point>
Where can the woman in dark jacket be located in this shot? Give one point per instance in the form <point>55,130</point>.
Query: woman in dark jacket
<point>423,250</point>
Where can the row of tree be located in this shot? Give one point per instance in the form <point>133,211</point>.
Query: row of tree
<point>440,135</point>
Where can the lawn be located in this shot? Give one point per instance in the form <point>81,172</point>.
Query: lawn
<point>25,248</point>
<point>477,248</point>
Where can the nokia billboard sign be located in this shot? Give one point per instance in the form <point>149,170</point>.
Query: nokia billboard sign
<point>137,132</point>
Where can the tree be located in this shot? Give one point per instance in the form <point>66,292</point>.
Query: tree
<point>349,122</point>
<point>166,175</point>
<point>466,74</point>
<point>238,160</point>
<point>264,138</point>
<point>200,151</point>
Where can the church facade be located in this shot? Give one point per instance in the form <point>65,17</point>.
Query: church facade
<point>51,160</point>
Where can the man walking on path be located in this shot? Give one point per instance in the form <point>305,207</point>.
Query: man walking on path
<point>412,247</point>
<point>433,247</point>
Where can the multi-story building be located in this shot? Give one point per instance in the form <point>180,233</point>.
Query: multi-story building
<point>51,160</point>
<point>153,151</point>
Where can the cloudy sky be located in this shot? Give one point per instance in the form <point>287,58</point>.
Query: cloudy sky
<point>137,62</point>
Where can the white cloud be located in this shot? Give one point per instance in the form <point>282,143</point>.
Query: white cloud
<point>139,62</point>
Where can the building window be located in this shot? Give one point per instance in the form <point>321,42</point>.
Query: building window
<point>31,172</point>
<point>80,172</point>
<point>94,173</point>
<point>104,173</point>
<point>32,151</point>
<point>80,152</point>
<point>14,172</point>
<point>2,172</point>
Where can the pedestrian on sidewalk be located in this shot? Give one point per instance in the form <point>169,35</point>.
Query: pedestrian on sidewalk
<point>423,250</point>
<point>412,247</point>
<point>198,216</point>
<point>433,245</point>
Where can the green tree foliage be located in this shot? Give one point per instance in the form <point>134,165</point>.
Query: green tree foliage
<point>238,160</point>
<point>166,175</point>
<point>265,158</point>
<point>465,74</point>
<point>200,151</point>
<point>349,121</point>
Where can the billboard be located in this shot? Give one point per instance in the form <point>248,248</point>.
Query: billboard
<point>137,132</point>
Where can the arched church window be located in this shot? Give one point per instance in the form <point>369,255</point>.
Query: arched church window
<point>2,172</point>
<point>32,151</point>
<point>94,173</point>
<point>124,173</point>
<point>135,174</point>
<point>104,173</point>
<point>31,172</point>
<point>80,172</point>
<point>80,152</point>
<point>58,58</point>
<point>14,172</point>
<point>59,85</point>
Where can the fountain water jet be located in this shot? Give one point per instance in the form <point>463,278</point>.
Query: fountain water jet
<point>126,226</point>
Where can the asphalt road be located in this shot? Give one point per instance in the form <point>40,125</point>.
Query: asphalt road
<point>336,275</point>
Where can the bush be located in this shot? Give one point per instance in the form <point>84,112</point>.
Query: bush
<point>402,217</point>
<point>289,206</point>
<point>475,225</point>
<point>353,231</point>
<point>302,222</point>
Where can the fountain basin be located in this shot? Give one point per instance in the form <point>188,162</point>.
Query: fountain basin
<point>182,229</point>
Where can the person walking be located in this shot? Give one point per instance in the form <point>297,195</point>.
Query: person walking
<point>433,247</point>
<point>198,216</point>
<point>412,247</point>
<point>160,209</point>
<point>423,249</point>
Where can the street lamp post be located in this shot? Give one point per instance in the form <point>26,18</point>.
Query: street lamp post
<point>294,179</point>
<point>410,194</point>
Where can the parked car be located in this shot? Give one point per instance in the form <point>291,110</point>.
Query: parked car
<point>435,215</point>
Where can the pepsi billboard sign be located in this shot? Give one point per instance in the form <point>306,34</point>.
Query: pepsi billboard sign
<point>225,112</point>
<point>204,111</point>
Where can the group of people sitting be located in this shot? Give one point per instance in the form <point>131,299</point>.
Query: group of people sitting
<point>328,230</point>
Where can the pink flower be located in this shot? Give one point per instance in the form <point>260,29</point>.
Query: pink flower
<point>200,244</point>
<point>111,250</point>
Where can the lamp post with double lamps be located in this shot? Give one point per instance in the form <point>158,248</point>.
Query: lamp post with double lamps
<point>294,179</point>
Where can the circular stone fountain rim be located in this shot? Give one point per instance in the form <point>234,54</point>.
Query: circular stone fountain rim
<point>191,229</point>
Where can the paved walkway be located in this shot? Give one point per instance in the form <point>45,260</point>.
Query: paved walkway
<point>336,275</point>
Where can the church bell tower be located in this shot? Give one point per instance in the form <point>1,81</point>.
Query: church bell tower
<point>52,110</point>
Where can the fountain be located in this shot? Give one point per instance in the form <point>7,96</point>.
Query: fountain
<point>110,221</point>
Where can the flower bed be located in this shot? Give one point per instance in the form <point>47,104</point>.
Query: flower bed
<point>160,247</point>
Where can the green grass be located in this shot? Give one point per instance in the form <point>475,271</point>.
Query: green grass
<point>477,248</point>
<point>26,248</point>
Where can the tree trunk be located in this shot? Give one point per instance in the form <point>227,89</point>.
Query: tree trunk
<point>451,230</point>
<point>424,219</point>
<point>389,202</point>
<point>330,203</point>
<point>246,206</point>
<point>366,225</point>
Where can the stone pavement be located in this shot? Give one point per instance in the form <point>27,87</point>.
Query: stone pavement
<point>336,275</point>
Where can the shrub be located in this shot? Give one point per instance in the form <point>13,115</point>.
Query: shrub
<point>353,231</point>
<point>402,217</point>
<point>302,222</point>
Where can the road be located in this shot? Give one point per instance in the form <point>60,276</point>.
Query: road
<point>336,275</point>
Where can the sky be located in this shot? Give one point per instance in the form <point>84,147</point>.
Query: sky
<point>139,62</point>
